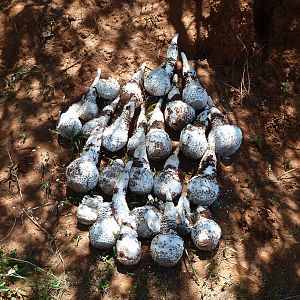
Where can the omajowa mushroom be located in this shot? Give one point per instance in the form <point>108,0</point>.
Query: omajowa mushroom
<point>205,233</point>
<point>178,113</point>
<point>105,231</point>
<point>183,216</point>
<point>228,138</point>
<point>167,182</point>
<point>69,124</point>
<point>193,93</point>
<point>82,173</point>
<point>132,90</point>
<point>87,211</point>
<point>109,177</point>
<point>141,178</point>
<point>140,130</point>
<point>158,142</point>
<point>203,188</point>
<point>108,89</point>
<point>193,139</point>
<point>147,219</point>
<point>158,81</point>
<point>167,247</point>
<point>128,247</point>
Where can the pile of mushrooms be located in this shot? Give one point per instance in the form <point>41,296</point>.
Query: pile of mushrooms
<point>175,210</point>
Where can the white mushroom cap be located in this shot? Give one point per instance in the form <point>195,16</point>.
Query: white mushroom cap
<point>206,234</point>
<point>87,211</point>
<point>108,88</point>
<point>147,219</point>
<point>88,111</point>
<point>82,175</point>
<point>178,114</point>
<point>110,176</point>
<point>157,82</point>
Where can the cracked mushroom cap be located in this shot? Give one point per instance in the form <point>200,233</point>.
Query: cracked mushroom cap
<point>206,234</point>
<point>87,211</point>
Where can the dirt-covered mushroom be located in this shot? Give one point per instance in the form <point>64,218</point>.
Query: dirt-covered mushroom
<point>158,81</point>
<point>158,142</point>
<point>203,188</point>
<point>110,176</point>
<point>228,137</point>
<point>167,247</point>
<point>69,124</point>
<point>183,216</point>
<point>87,211</point>
<point>178,113</point>
<point>167,181</point>
<point>193,93</point>
<point>108,89</point>
<point>82,173</point>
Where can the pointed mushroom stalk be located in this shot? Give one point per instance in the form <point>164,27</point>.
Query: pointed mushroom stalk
<point>158,82</point>
<point>148,220</point>
<point>158,142</point>
<point>228,138</point>
<point>140,130</point>
<point>128,247</point>
<point>178,113</point>
<point>193,93</point>
<point>203,188</point>
<point>109,177</point>
<point>167,247</point>
<point>193,139</point>
<point>205,233</point>
<point>82,173</point>
<point>183,216</point>
<point>87,211</point>
<point>167,182</point>
<point>104,232</point>
<point>141,178</point>
<point>132,90</point>
<point>69,124</point>
<point>115,136</point>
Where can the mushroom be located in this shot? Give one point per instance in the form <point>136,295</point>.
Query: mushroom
<point>203,188</point>
<point>82,173</point>
<point>193,93</point>
<point>110,176</point>
<point>228,138</point>
<point>147,219</point>
<point>104,232</point>
<point>140,130</point>
<point>69,124</point>
<point>183,216</point>
<point>108,89</point>
<point>158,142</point>
<point>128,247</point>
<point>87,211</point>
<point>158,82</point>
<point>168,181</point>
<point>205,233</point>
<point>141,178</point>
<point>192,137</point>
<point>115,136</point>
<point>167,247</point>
<point>178,113</point>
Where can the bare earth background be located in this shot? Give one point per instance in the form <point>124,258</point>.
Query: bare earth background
<point>247,56</point>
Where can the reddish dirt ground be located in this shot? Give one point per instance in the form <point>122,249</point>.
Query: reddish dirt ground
<point>247,56</point>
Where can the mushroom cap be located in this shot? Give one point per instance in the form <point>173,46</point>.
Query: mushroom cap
<point>203,191</point>
<point>195,95</point>
<point>206,234</point>
<point>88,111</point>
<point>147,220</point>
<point>193,142</point>
<point>157,82</point>
<point>228,139</point>
<point>82,175</point>
<point>178,114</point>
<point>104,233</point>
<point>108,88</point>
<point>140,180</point>
<point>128,247</point>
<point>87,211</point>
<point>166,182</point>
<point>69,125</point>
<point>167,249</point>
<point>109,177</point>
<point>158,144</point>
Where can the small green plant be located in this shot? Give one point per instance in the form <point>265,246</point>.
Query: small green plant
<point>213,270</point>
